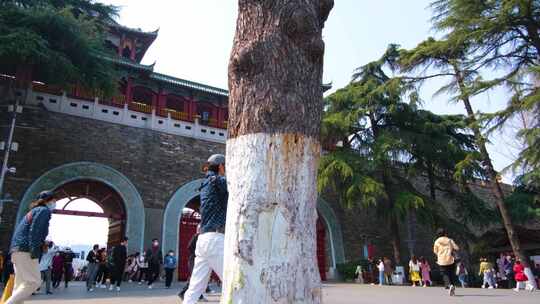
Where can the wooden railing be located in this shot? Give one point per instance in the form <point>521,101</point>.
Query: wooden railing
<point>47,89</point>
<point>175,114</point>
<point>140,107</point>
<point>116,101</point>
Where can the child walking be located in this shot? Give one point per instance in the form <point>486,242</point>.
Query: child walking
<point>425,269</point>
<point>522,281</point>
<point>414,270</point>
<point>486,269</point>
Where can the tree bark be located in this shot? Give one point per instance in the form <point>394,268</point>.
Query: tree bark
<point>275,105</point>
<point>494,184</point>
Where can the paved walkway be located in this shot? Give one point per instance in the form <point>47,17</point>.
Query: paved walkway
<point>333,293</point>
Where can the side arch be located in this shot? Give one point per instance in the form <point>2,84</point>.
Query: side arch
<point>61,175</point>
<point>173,212</point>
<point>336,237</point>
<point>187,192</point>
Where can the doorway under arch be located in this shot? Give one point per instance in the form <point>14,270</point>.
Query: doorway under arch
<point>87,179</point>
<point>104,196</point>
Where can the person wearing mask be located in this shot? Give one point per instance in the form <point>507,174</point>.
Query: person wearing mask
<point>169,265</point>
<point>445,249</point>
<point>27,245</point>
<point>155,259</point>
<point>93,264</point>
<point>45,266</point>
<point>209,249</point>
<point>119,257</point>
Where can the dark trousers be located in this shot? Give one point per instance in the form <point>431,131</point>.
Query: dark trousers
<point>117,273</point>
<point>68,271</point>
<point>56,278</point>
<point>102,274</point>
<point>168,276</point>
<point>143,272</point>
<point>153,273</point>
<point>448,273</point>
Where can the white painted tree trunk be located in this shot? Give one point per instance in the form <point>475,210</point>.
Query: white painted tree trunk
<point>270,243</point>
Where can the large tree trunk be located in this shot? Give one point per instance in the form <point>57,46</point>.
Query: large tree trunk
<point>494,184</point>
<point>275,105</point>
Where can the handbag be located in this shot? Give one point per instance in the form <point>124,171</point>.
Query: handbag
<point>8,291</point>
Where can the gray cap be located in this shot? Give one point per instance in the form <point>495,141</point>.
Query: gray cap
<point>216,159</point>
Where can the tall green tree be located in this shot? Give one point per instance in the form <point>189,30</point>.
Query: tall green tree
<point>503,35</point>
<point>56,42</point>
<point>385,143</point>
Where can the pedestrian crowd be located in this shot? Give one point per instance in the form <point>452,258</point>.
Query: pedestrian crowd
<point>507,272</point>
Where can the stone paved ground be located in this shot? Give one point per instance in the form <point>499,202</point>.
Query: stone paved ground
<point>333,293</point>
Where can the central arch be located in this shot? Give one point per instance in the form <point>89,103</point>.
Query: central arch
<point>70,173</point>
<point>189,191</point>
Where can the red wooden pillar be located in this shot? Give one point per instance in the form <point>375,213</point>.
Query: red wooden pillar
<point>214,116</point>
<point>129,89</point>
<point>221,114</point>
<point>193,109</point>
<point>161,103</point>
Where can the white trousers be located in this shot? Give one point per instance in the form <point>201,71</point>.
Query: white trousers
<point>208,257</point>
<point>27,277</point>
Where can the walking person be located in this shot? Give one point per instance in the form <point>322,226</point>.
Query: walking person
<point>142,264</point>
<point>522,281</point>
<point>380,267</point>
<point>45,266</point>
<point>155,259</point>
<point>27,246</point>
<point>388,270</point>
<point>414,270</point>
<point>425,269</point>
<point>170,265</point>
<point>445,248</point>
<point>68,266</point>
<point>93,264</point>
<point>119,257</point>
<point>462,274</point>
<point>57,268</point>
<point>486,271</point>
<point>209,248</point>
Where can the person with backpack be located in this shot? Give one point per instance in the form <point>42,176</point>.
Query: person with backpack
<point>27,246</point>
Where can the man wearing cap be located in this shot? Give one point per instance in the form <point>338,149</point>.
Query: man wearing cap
<point>209,248</point>
<point>27,245</point>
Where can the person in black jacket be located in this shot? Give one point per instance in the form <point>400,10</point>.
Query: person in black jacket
<point>155,259</point>
<point>119,257</point>
<point>92,259</point>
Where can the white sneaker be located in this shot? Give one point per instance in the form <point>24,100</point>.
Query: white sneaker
<point>131,281</point>
<point>150,286</point>
<point>117,288</point>
<point>490,287</point>
<point>516,289</point>
<point>91,289</point>
<point>111,288</point>
<point>140,283</point>
<point>452,291</point>
<point>103,286</point>
<point>483,286</point>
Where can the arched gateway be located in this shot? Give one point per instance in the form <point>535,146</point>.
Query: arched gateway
<point>110,189</point>
<point>331,231</point>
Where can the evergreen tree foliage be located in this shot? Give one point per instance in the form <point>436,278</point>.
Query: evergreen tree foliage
<point>58,42</point>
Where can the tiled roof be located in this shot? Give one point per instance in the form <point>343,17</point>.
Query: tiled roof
<point>131,64</point>
<point>188,84</point>
<point>135,30</point>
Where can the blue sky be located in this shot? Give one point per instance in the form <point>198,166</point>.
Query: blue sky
<point>195,38</point>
